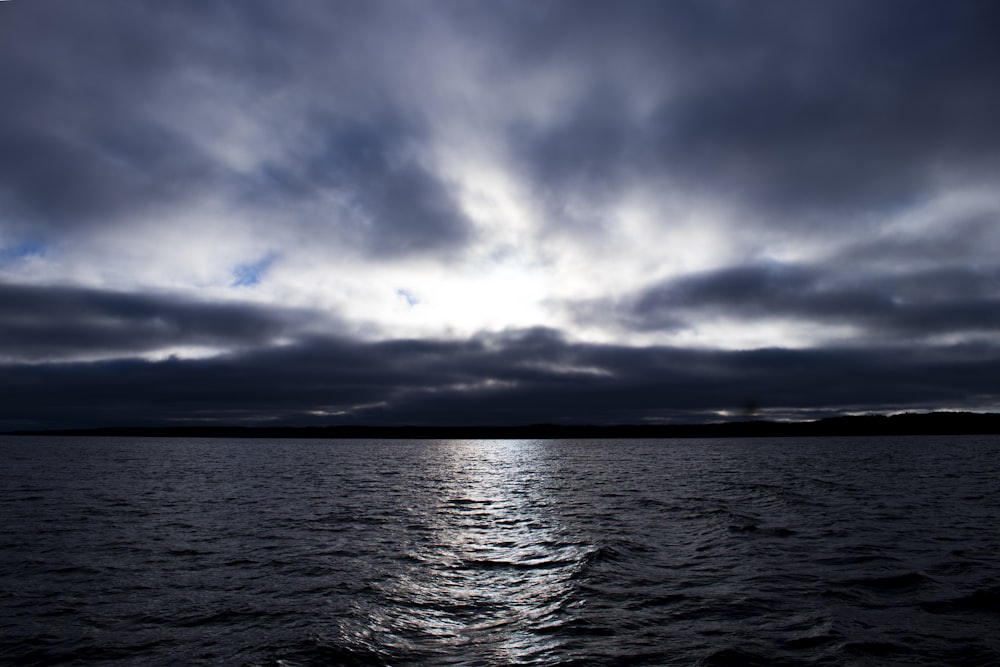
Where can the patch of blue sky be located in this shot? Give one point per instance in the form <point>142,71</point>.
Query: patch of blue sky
<point>407,296</point>
<point>23,250</point>
<point>251,273</point>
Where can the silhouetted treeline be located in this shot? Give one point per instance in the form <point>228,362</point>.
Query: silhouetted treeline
<point>933,423</point>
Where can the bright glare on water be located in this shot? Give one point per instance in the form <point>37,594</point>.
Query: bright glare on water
<point>813,551</point>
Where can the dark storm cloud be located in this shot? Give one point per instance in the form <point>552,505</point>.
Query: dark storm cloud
<point>74,149</point>
<point>513,378</point>
<point>794,110</point>
<point>51,323</point>
<point>392,203</point>
<point>951,300</point>
<point>109,108</point>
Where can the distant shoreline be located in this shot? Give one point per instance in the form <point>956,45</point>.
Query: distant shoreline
<point>933,423</point>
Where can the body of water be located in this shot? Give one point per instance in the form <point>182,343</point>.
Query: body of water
<point>815,551</point>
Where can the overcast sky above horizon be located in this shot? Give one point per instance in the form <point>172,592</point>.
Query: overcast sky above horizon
<point>455,212</point>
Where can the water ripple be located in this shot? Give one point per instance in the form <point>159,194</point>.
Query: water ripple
<point>271,553</point>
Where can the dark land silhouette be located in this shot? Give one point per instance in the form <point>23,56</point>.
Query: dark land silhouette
<point>932,423</point>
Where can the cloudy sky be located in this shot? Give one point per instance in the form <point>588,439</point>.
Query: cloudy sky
<point>504,212</point>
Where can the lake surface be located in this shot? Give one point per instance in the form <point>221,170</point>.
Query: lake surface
<point>817,551</point>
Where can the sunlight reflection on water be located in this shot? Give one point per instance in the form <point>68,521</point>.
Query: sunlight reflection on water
<point>492,566</point>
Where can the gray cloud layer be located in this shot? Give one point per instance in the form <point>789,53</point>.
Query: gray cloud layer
<point>46,324</point>
<point>916,305</point>
<point>851,145</point>
<point>519,377</point>
<point>790,109</point>
<point>110,101</point>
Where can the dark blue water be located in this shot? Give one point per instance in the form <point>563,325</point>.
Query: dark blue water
<point>801,552</point>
